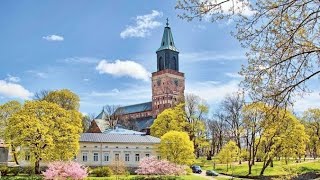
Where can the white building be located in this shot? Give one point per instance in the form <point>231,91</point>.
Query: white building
<point>101,149</point>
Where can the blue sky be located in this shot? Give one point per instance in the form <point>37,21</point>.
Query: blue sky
<point>105,51</point>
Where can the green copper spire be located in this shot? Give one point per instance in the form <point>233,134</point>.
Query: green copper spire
<point>167,39</point>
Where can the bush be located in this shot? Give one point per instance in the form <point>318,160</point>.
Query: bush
<point>102,172</point>
<point>153,166</point>
<point>188,170</point>
<point>14,170</point>
<point>65,170</point>
<point>27,170</point>
<point>4,170</point>
<point>22,178</point>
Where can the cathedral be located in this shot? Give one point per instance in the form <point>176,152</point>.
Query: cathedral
<point>167,85</point>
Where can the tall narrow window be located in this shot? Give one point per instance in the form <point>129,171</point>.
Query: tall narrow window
<point>161,63</point>
<point>95,156</point>
<point>127,156</point>
<point>27,158</point>
<point>106,157</point>
<point>147,155</point>
<point>137,157</point>
<point>174,64</point>
<point>84,157</point>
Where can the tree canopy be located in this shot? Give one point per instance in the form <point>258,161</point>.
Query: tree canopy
<point>45,131</point>
<point>176,147</point>
<point>281,37</point>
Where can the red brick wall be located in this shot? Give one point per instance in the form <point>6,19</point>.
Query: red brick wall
<point>167,87</point>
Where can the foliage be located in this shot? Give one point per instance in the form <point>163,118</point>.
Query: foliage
<point>177,147</point>
<point>229,153</point>
<point>64,98</point>
<point>33,177</point>
<point>27,170</point>
<point>14,170</point>
<point>6,111</point>
<point>4,170</point>
<point>118,167</point>
<point>45,131</point>
<point>171,119</point>
<point>65,170</point>
<point>102,171</point>
<point>311,120</point>
<point>155,178</point>
<point>282,38</point>
<point>153,166</point>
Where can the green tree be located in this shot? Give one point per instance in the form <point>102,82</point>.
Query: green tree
<point>281,37</point>
<point>229,153</point>
<point>176,147</point>
<point>45,131</point>
<point>311,119</point>
<point>64,98</point>
<point>282,134</point>
<point>6,111</point>
<point>196,110</point>
<point>172,119</point>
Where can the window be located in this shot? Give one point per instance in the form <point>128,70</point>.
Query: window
<point>159,157</point>
<point>147,147</point>
<point>137,157</point>
<point>147,155</point>
<point>27,158</point>
<point>84,157</point>
<point>106,147</point>
<point>116,157</point>
<point>106,157</point>
<point>127,157</point>
<point>95,157</point>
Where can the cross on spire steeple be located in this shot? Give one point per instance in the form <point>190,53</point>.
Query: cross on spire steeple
<point>167,22</point>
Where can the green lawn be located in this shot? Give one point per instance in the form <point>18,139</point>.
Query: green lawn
<point>186,177</point>
<point>279,169</point>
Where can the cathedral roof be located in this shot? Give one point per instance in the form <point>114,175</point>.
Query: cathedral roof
<point>167,40</point>
<point>147,106</point>
<point>102,115</point>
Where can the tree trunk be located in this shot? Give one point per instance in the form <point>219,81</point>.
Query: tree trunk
<point>37,167</point>
<point>271,163</point>
<point>13,149</point>
<point>265,165</point>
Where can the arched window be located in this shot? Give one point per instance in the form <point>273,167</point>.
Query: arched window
<point>161,63</point>
<point>174,63</point>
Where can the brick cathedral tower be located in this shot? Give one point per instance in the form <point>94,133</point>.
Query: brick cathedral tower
<point>167,82</point>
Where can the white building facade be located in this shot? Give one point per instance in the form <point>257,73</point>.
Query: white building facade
<point>103,149</point>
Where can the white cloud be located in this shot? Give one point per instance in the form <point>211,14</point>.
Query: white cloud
<point>310,100</point>
<point>233,75</point>
<point>86,79</point>
<point>212,92</point>
<point>13,90</point>
<point>12,78</point>
<point>212,56</point>
<point>123,68</point>
<point>53,38</point>
<point>144,24</point>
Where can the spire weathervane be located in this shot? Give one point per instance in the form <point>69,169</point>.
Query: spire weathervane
<point>167,22</point>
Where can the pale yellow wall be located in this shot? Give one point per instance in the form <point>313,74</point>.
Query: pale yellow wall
<point>115,148</point>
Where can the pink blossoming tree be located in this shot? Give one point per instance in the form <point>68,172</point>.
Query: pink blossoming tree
<point>65,170</point>
<point>153,166</point>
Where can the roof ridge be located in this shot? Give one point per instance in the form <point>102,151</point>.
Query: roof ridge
<point>136,104</point>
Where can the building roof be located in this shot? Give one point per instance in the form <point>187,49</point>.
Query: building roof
<point>102,115</point>
<point>144,123</point>
<point>167,40</point>
<point>147,106</point>
<point>118,138</point>
<point>119,130</point>
<point>102,124</point>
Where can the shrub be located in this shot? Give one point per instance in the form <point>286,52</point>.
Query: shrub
<point>14,170</point>
<point>102,171</point>
<point>65,170</point>
<point>188,170</point>
<point>4,170</point>
<point>27,170</point>
<point>153,166</point>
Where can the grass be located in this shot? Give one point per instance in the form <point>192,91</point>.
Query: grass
<point>279,169</point>
<point>186,177</point>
